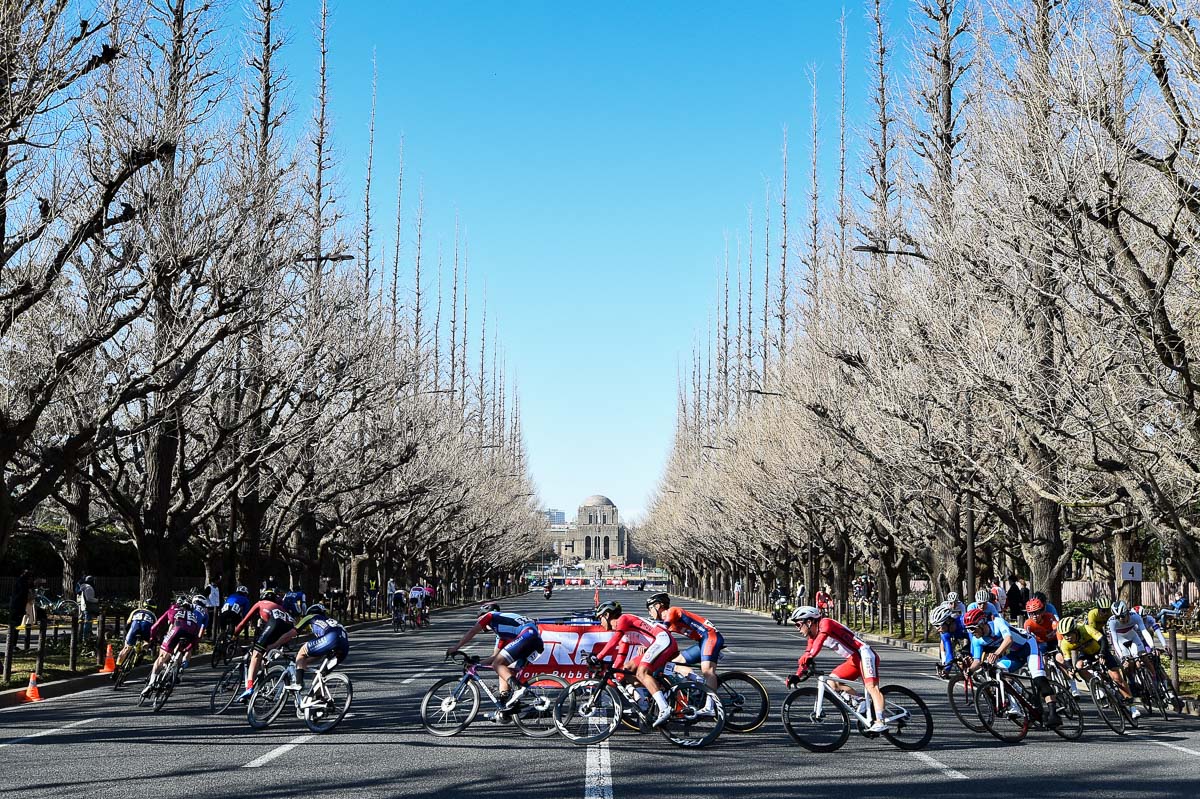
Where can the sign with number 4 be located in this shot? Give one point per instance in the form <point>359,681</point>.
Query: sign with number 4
<point>1131,571</point>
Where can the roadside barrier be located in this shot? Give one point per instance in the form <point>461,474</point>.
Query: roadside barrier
<point>32,694</point>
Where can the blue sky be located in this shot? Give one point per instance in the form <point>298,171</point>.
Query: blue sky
<point>597,155</point>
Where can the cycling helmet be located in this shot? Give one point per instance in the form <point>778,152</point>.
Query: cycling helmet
<point>488,607</point>
<point>974,617</point>
<point>1103,603</point>
<point>1034,606</point>
<point>1068,625</point>
<point>804,613</point>
<point>1120,609</point>
<point>201,600</point>
<point>983,596</point>
<point>940,615</point>
<point>241,589</point>
<point>1137,609</point>
<point>661,598</point>
<point>146,602</point>
<point>1042,596</point>
<point>180,599</point>
<point>317,608</point>
<point>951,597</point>
<point>271,594</point>
<point>609,608</point>
<point>89,579</point>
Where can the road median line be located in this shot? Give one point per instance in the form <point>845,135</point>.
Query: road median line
<point>1177,748</point>
<point>279,750</point>
<point>939,765</point>
<point>597,782</point>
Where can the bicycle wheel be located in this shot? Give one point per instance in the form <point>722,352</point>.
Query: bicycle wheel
<point>961,693</point>
<point>697,715</point>
<point>1158,691</point>
<point>268,698</point>
<point>817,732</point>
<point>535,715</point>
<point>906,713</point>
<point>226,691</point>
<point>1069,715</point>
<point>396,626</point>
<point>449,706</point>
<point>745,701</point>
<point>1002,715</point>
<point>166,685</point>
<point>587,712</point>
<point>1108,704</point>
<point>123,671</point>
<point>325,710</point>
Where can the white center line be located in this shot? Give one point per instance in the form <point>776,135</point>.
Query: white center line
<point>420,673</point>
<point>277,751</point>
<point>774,676</point>
<point>1177,748</point>
<point>597,782</point>
<point>939,765</point>
<point>46,732</point>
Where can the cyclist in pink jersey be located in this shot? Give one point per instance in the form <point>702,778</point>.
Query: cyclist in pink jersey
<point>659,649</point>
<point>861,660</point>
<point>185,624</point>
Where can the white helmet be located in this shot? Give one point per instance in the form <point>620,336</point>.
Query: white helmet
<point>983,596</point>
<point>1120,609</point>
<point>951,597</point>
<point>804,613</point>
<point>940,615</point>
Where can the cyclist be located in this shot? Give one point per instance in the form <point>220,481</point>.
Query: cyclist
<point>517,638</point>
<point>1042,624</point>
<point>1126,631</point>
<point>956,605</point>
<point>185,628</point>
<point>706,652</point>
<point>1154,631</point>
<point>137,629</point>
<point>1097,617</point>
<point>277,628</point>
<point>417,599</point>
<point>861,660</point>
<point>995,641</point>
<point>1085,642</point>
<point>1046,601</point>
<point>984,601</point>
<point>294,602</point>
<point>399,604</point>
<point>659,649</point>
<point>236,606</point>
<point>951,630</point>
<point>328,638</point>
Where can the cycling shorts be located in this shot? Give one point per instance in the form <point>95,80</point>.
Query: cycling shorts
<point>1031,656</point>
<point>659,653</point>
<point>863,665</point>
<point>179,637</point>
<point>271,632</point>
<point>517,651</point>
<point>138,631</point>
<point>230,617</point>
<point>1106,657</point>
<point>334,642</point>
<point>707,650</point>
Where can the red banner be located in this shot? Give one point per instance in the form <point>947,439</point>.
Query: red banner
<point>565,649</point>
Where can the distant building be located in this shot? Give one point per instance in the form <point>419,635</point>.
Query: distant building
<point>597,538</point>
<point>555,516</point>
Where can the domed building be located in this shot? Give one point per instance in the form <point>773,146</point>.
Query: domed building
<point>597,537</point>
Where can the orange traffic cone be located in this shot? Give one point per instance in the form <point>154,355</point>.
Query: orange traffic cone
<point>32,694</point>
<point>110,665</point>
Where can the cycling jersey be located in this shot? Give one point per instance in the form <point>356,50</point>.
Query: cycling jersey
<point>329,637</point>
<point>861,660</point>
<point>277,622</point>
<point>236,603</point>
<point>185,623</point>
<point>1098,619</point>
<point>1024,647</point>
<point>417,596</point>
<point>506,626</point>
<point>1128,637</point>
<point>138,626</point>
<point>294,602</point>
<point>958,608</point>
<point>1088,642</point>
<point>659,646</point>
<point>957,633</point>
<point>678,620</point>
<point>1044,628</point>
<point>988,608</point>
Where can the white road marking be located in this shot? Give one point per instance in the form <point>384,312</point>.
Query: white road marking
<point>597,783</point>
<point>420,673</point>
<point>277,751</point>
<point>774,676</point>
<point>46,732</point>
<point>1177,748</point>
<point>939,765</point>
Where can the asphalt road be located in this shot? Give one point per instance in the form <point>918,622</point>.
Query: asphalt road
<point>99,744</point>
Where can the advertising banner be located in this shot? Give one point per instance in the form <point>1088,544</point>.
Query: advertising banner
<point>566,645</point>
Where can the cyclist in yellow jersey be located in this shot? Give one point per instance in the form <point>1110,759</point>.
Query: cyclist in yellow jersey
<point>1097,617</point>
<point>1079,642</point>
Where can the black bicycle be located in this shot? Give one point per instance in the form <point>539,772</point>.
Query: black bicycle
<point>1008,706</point>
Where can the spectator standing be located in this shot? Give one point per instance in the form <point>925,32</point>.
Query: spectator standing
<point>372,590</point>
<point>487,588</point>
<point>391,590</point>
<point>1012,599</point>
<point>20,602</point>
<point>89,606</point>
<point>801,592</point>
<point>214,593</point>
<point>737,594</point>
<point>824,600</point>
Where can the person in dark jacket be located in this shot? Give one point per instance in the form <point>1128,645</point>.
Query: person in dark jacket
<point>1015,599</point>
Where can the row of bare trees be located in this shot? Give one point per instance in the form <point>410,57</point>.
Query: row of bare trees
<point>988,357</point>
<point>204,344</point>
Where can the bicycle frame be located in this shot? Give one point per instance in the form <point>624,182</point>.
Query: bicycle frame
<point>825,690</point>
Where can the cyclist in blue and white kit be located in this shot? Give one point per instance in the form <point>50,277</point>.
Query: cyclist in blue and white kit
<point>517,638</point>
<point>329,637</point>
<point>955,604</point>
<point>236,606</point>
<point>1127,632</point>
<point>137,629</point>
<point>983,601</point>
<point>1154,630</point>
<point>998,643</point>
<point>951,629</point>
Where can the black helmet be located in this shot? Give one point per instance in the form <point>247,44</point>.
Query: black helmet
<point>1042,596</point>
<point>608,608</point>
<point>88,579</point>
<point>660,598</point>
<point>316,608</point>
<point>488,607</point>
<point>270,593</point>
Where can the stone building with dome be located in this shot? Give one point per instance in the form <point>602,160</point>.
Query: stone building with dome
<point>595,538</point>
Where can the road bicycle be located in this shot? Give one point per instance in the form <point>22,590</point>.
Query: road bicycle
<point>166,680</point>
<point>55,607</point>
<point>400,620</point>
<point>233,680</point>
<point>452,703</point>
<point>590,710</point>
<point>322,705</point>
<point>224,650</point>
<point>1111,705</point>
<point>744,698</point>
<point>1145,684</point>
<point>131,662</point>
<point>818,716</point>
<point>960,691</point>
<point>1008,705</point>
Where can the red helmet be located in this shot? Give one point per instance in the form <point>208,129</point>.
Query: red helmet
<point>974,616</point>
<point>1034,606</point>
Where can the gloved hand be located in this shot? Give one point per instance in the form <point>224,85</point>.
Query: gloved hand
<point>794,680</point>
<point>592,660</point>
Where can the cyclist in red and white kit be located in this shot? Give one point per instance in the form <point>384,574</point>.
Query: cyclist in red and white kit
<point>659,649</point>
<point>861,661</point>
